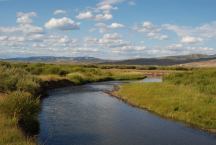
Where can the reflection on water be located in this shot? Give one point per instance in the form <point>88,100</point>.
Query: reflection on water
<point>149,79</point>
<point>85,115</point>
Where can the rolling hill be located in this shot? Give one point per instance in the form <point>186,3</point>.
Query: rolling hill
<point>164,61</point>
<point>53,59</point>
<point>169,60</point>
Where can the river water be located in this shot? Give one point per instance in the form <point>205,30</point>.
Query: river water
<point>85,115</point>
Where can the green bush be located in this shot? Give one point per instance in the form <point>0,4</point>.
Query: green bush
<point>12,79</point>
<point>77,78</point>
<point>24,107</point>
<point>20,104</point>
<point>204,80</point>
<point>28,84</point>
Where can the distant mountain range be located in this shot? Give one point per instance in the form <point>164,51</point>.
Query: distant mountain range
<point>169,60</point>
<point>50,59</point>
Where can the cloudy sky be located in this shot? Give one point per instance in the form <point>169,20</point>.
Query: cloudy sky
<point>111,29</point>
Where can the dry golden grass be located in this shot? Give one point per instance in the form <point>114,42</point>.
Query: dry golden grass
<point>10,134</point>
<point>50,77</point>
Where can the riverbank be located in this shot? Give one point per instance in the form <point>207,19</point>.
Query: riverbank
<point>23,85</point>
<point>84,115</point>
<point>186,97</point>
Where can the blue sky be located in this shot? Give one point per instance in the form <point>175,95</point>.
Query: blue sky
<point>111,29</point>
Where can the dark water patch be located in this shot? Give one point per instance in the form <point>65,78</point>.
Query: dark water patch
<point>85,115</point>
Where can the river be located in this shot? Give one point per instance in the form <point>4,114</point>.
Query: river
<point>85,115</point>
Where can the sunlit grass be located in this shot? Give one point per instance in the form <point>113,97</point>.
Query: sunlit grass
<point>10,133</point>
<point>21,85</point>
<point>188,97</point>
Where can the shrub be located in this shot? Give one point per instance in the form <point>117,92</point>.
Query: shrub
<point>24,107</point>
<point>152,68</point>
<point>77,78</point>
<point>28,84</point>
<point>12,79</point>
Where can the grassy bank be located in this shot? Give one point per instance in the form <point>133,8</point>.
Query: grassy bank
<point>189,97</point>
<point>21,87</point>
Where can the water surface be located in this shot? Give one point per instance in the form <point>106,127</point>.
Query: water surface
<point>85,115</point>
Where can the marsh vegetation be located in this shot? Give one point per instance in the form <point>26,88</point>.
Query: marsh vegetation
<point>189,97</point>
<point>21,87</point>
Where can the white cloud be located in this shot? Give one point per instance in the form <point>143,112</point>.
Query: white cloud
<point>150,30</point>
<point>22,34</point>
<point>60,12</point>
<point>191,40</point>
<point>25,18</point>
<point>115,44</point>
<point>103,17</point>
<point>62,24</point>
<point>101,12</point>
<point>85,15</point>
<point>116,25</point>
<point>12,29</point>
<point>146,27</point>
<point>25,25</point>
<point>27,38</point>
<point>27,29</point>
<point>179,30</point>
<point>106,7</point>
<point>205,31</point>
<point>31,29</point>
<point>175,46</point>
<point>113,36</point>
<point>111,2</point>
<point>103,28</point>
<point>88,15</point>
<point>107,40</point>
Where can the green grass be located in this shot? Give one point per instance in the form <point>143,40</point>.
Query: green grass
<point>11,133</point>
<point>188,97</point>
<point>204,80</point>
<point>23,107</point>
<point>20,90</point>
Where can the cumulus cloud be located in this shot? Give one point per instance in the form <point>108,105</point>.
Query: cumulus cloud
<point>191,40</point>
<point>103,28</point>
<point>60,12</point>
<point>108,40</point>
<point>25,18</point>
<point>62,24</point>
<point>116,25</point>
<point>25,37</point>
<point>103,17</point>
<point>115,43</point>
<point>25,25</point>
<point>111,2</point>
<point>101,12</point>
<point>27,29</point>
<point>98,17</point>
<point>150,30</point>
<point>205,31</point>
<point>22,34</point>
<point>106,7</point>
<point>181,31</point>
<point>85,15</point>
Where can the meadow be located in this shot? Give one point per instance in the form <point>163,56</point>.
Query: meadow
<point>22,85</point>
<point>188,96</point>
